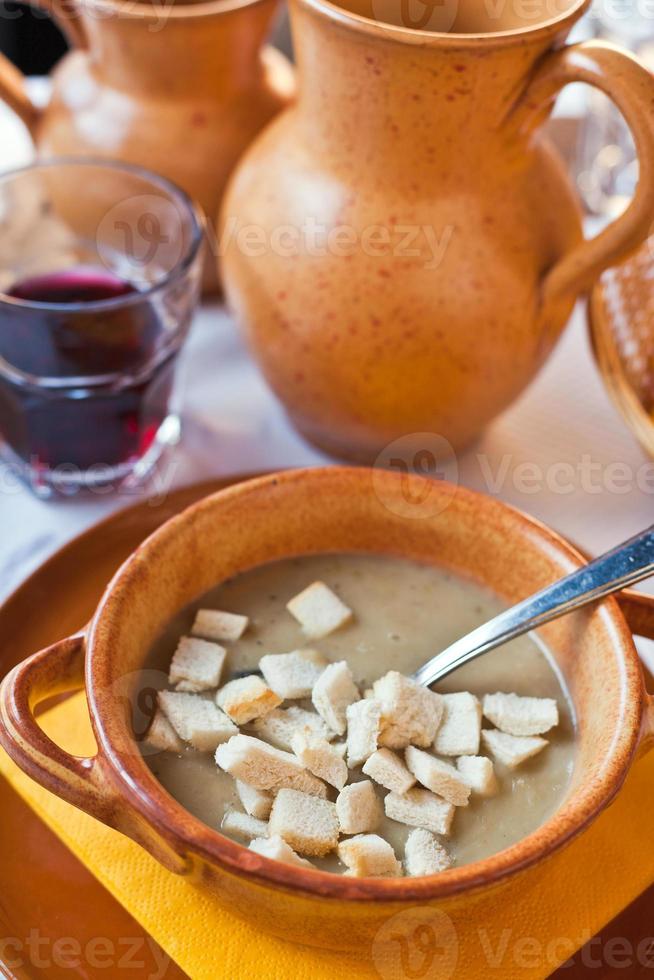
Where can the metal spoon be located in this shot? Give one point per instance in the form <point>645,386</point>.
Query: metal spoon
<point>625,565</point>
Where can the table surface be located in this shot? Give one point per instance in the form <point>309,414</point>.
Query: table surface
<point>561,452</point>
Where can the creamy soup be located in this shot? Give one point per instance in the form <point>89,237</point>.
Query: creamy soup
<point>404,613</point>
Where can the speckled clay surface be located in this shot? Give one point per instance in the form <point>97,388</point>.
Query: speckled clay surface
<point>181,89</point>
<point>414,258</point>
<point>308,511</point>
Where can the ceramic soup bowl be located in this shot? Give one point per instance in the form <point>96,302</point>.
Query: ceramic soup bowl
<point>302,512</point>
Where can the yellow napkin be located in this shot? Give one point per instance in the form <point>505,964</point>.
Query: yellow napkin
<point>546,915</point>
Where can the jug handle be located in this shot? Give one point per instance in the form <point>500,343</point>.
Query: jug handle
<point>631,87</point>
<point>13,87</point>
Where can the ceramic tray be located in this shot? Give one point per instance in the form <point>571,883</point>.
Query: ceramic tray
<point>46,894</point>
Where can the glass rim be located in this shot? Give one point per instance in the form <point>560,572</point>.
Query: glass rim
<point>181,267</point>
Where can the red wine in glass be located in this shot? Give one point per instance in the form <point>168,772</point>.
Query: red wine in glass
<point>87,373</point>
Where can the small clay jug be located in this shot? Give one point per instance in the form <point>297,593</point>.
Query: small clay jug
<point>403,245</point>
<point>178,88</point>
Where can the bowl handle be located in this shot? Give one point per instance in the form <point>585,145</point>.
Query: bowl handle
<point>59,669</point>
<point>638,610</point>
<point>631,87</point>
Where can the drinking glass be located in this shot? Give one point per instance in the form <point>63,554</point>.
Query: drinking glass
<point>99,277</point>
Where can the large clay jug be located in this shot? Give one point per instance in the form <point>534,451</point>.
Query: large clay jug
<point>402,245</point>
<point>179,88</point>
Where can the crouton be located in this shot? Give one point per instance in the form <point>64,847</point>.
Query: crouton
<point>424,854</point>
<point>279,726</point>
<point>438,776</point>
<point>479,774</point>
<point>363,725</point>
<point>278,850</point>
<point>358,807</point>
<point>318,756</point>
<point>197,663</point>
<point>246,698</point>
<point>459,730</point>
<point>369,856</point>
<point>520,716</point>
<point>512,750</point>
<point>161,734</point>
<point>307,824</point>
<point>420,808</point>
<point>292,675</point>
<point>387,769</point>
<point>319,611</point>
<point>214,624</point>
<point>189,687</point>
<point>264,767</point>
<point>196,719</point>
<point>341,747</point>
<point>243,825</point>
<point>332,693</point>
<point>410,714</point>
<point>256,802</point>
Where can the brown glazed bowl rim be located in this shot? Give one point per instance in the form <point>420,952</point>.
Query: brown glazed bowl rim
<point>366,25</point>
<point>189,837</point>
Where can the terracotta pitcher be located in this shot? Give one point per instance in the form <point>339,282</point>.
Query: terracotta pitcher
<point>179,88</point>
<point>402,245</point>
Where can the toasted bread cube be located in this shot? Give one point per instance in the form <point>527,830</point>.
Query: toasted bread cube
<point>410,714</point>
<point>319,611</point>
<point>424,854</point>
<point>197,663</point>
<point>341,748</point>
<point>363,727</point>
<point>246,698</point>
<point>387,769</point>
<point>512,750</point>
<point>223,627</point>
<point>280,725</point>
<point>332,693</point>
<point>243,825</point>
<point>369,856</point>
<point>264,767</point>
<point>292,675</point>
<point>359,808</point>
<point>420,808</point>
<point>256,802</point>
<point>438,776</point>
<point>521,716</point>
<point>307,824</point>
<point>459,730</point>
<point>196,719</point>
<point>278,850</point>
<point>320,758</point>
<point>161,734</point>
<point>479,774</point>
<point>189,687</point>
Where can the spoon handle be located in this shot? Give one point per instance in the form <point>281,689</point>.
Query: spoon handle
<point>624,565</point>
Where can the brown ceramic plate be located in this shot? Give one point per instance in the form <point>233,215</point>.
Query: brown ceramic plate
<point>52,907</point>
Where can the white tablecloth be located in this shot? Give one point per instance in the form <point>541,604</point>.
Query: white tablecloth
<point>561,452</point>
